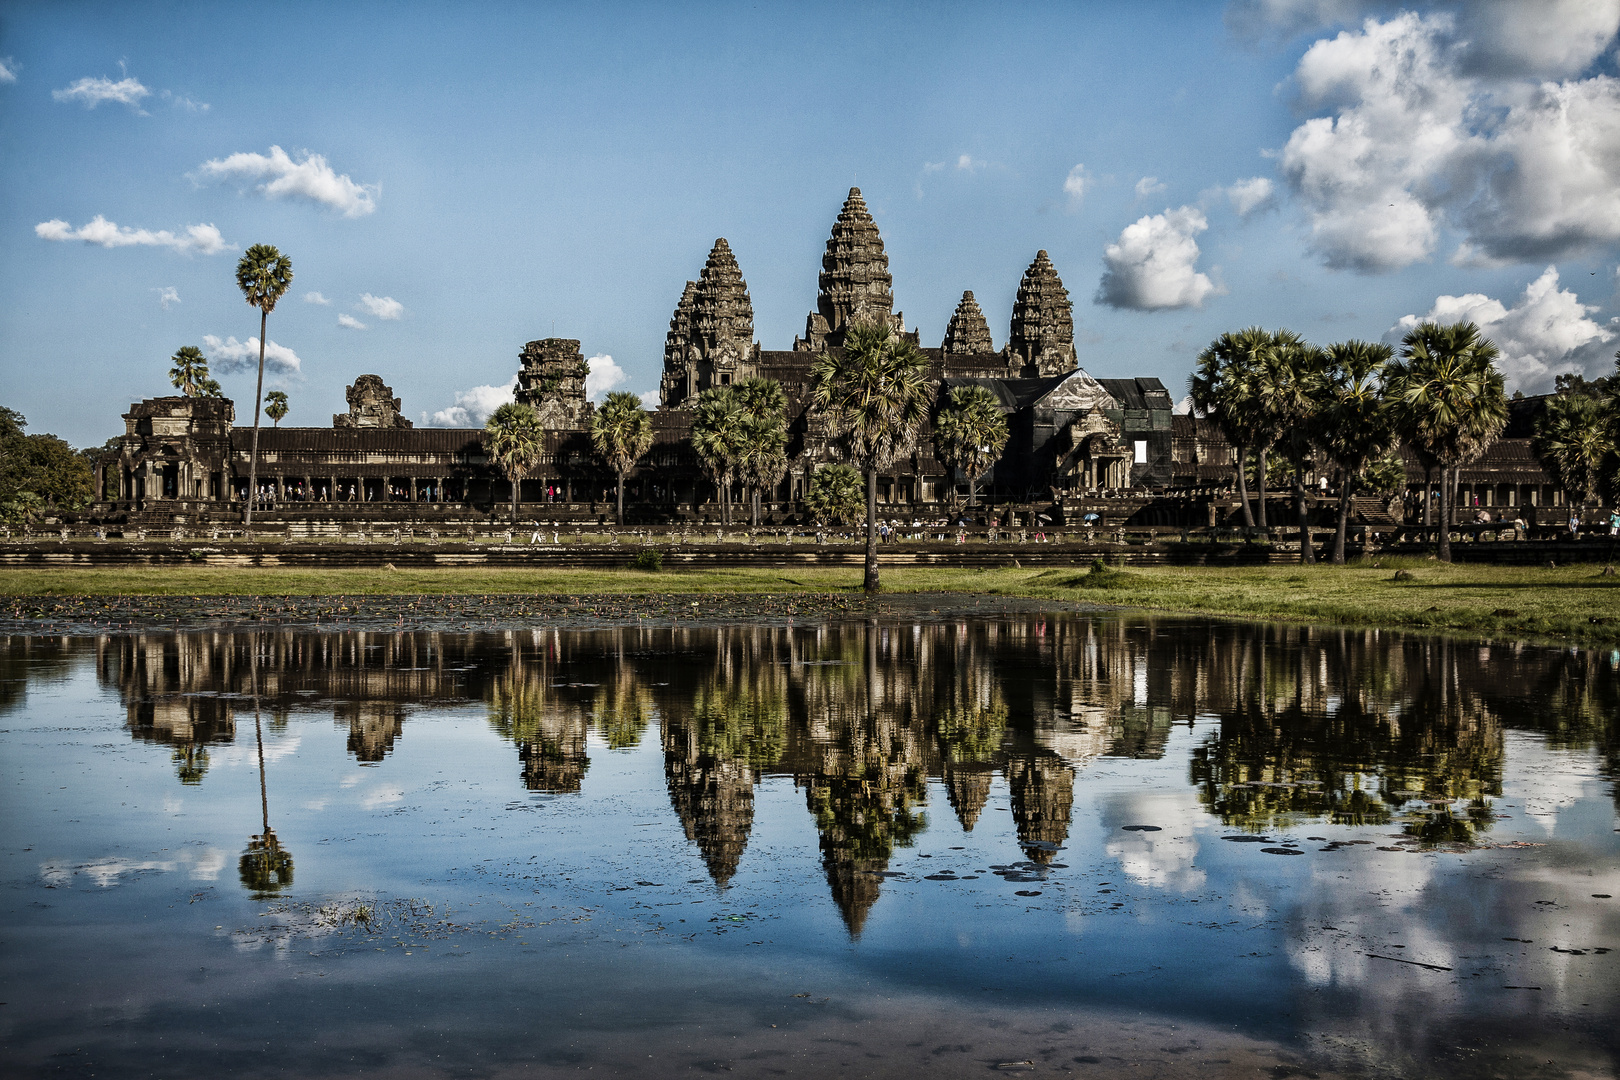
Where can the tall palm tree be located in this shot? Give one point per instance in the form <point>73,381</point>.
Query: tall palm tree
<point>1354,426</point>
<point>874,392</point>
<point>190,370</point>
<point>1219,387</point>
<point>621,432</point>
<point>1291,389</point>
<point>835,494</point>
<point>1446,396</point>
<point>514,438</point>
<point>1270,399</point>
<point>970,433</point>
<point>718,438</point>
<point>263,275</point>
<point>276,406</point>
<point>1573,443</point>
<point>764,456</point>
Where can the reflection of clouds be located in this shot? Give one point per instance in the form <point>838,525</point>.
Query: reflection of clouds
<point>1080,736</point>
<point>1164,859</point>
<point>351,780</point>
<point>248,754</point>
<point>203,865</point>
<point>1545,781</point>
<point>382,796</point>
<point>208,865</point>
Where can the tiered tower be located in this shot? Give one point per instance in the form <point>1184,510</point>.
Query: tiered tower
<point>967,334</point>
<point>711,335</point>
<point>372,404</point>
<point>1042,338</point>
<point>552,382</point>
<point>855,281</point>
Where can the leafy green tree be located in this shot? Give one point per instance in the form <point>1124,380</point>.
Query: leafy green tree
<point>1573,442</point>
<point>764,438</point>
<point>874,393</point>
<point>1354,426</point>
<point>276,406</point>
<point>190,371</point>
<point>719,436</point>
<point>1447,398</point>
<point>970,433</point>
<point>514,438</point>
<point>621,432</point>
<point>836,495</point>
<point>1220,389</point>
<point>264,275</point>
<point>37,471</point>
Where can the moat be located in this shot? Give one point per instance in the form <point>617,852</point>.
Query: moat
<point>916,842</point>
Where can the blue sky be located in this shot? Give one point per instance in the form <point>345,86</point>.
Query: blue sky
<point>460,179</point>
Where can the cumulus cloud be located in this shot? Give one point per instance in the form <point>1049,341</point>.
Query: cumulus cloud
<point>649,399</point>
<point>9,69</point>
<point>313,297</point>
<point>1254,21</point>
<point>181,101</point>
<point>382,307</point>
<point>1436,120</point>
<point>168,296</point>
<point>1546,333</point>
<point>1247,196</point>
<point>1149,186</point>
<point>91,92</point>
<point>1152,266</point>
<point>198,239</point>
<point>474,407</point>
<point>351,322</point>
<point>309,178</point>
<point>1075,185</point>
<point>231,356</point>
<point>604,375</point>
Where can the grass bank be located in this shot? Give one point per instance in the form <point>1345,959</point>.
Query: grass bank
<point>1575,604</point>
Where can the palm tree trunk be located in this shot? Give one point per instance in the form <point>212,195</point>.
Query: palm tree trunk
<point>517,483</point>
<point>1243,488</point>
<point>620,515</point>
<point>1428,502</point>
<point>1307,552</point>
<point>1260,476</point>
<point>1347,490</point>
<point>253,458</point>
<point>1443,548</point>
<point>871,583</point>
<point>973,490</point>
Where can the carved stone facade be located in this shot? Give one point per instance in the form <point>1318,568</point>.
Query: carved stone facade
<point>967,334</point>
<point>552,382</point>
<point>855,282</point>
<point>1042,339</point>
<point>711,335</point>
<point>372,404</point>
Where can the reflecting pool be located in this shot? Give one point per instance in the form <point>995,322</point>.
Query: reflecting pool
<point>779,849</point>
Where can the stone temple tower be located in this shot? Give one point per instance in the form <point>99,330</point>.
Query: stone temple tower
<point>967,334</point>
<point>855,281</point>
<point>1042,338</point>
<point>711,335</point>
<point>551,380</point>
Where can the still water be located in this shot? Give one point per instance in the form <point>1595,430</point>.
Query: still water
<point>1100,844</point>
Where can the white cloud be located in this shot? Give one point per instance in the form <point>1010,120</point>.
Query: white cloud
<point>201,239</point>
<point>604,375</point>
<point>1547,333</point>
<point>9,69</point>
<point>649,399</point>
<point>382,307</point>
<point>313,297</point>
<point>92,92</point>
<point>351,322</point>
<point>1147,186</point>
<point>968,163</point>
<point>1250,195</point>
<point>180,101</point>
<point>1075,185</point>
<point>1257,20</point>
<point>310,178</point>
<point>231,356</point>
<point>474,407</point>
<point>1436,120</point>
<point>1151,267</point>
<point>168,296</point>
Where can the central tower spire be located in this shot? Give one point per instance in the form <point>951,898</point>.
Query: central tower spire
<point>855,282</point>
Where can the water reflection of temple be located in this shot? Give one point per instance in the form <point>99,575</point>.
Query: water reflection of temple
<point>1299,723</point>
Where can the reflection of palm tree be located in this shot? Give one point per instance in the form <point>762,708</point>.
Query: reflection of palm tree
<point>266,868</point>
<point>550,739</point>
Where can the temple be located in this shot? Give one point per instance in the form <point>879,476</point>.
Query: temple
<point>1074,438</point>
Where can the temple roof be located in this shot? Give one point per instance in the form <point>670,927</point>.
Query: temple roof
<point>967,332</point>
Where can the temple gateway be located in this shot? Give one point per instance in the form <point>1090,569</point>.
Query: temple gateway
<point>1077,443</point>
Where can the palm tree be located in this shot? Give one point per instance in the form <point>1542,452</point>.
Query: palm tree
<point>718,438</point>
<point>276,406</point>
<point>764,437</point>
<point>970,433</point>
<point>1354,426</point>
<point>514,438</point>
<point>263,275</point>
<point>1219,388</point>
<point>190,371</point>
<point>1446,397</point>
<point>835,494</point>
<point>621,432</point>
<point>1573,443</point>
<point>874,392</point>
<point>1291,387</point>
<point>1270,399</point>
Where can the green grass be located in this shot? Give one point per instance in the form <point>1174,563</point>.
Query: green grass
<point>1576,604</point>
